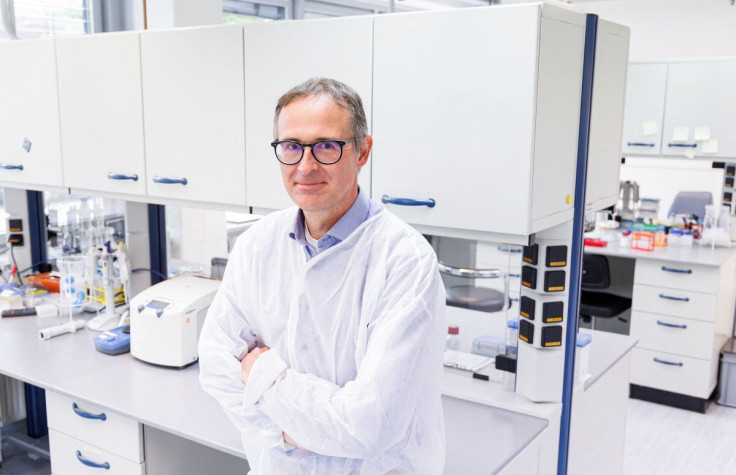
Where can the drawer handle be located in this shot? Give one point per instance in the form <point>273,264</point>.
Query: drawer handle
<point>515,275</point>
<point>119,176</point>
<point>11,167</point>
<point>87,415</point>
<point>670,325</point>
<point>682,145</point>
<point>90,463</point>
<point>514,299</point>
<point>677,271</point>
<point>670,363</point>
<point>170,181</point>
<point>506,249</point>
<point>639,144</point>
<point>670,297</point>
<point>408,202</point>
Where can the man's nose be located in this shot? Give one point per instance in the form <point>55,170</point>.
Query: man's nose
<point>308,163</point>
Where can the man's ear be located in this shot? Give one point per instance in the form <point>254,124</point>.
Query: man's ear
<point>365,150</point>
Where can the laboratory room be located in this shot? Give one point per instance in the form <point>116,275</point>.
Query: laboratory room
<point>367,236</point>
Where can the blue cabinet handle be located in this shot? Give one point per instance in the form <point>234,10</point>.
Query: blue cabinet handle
<point>671,363</point>
<point>407,201</point>
<point>677,271</point>
<point>640,144</point>
<point>87,415</point>
<point>118,176</point>
<point>90,463</point>
<point>170,181</point>
<point>670,325</point>
<point>11,167</point>
<point>508,249</point>
<point>682,145</point>
<point>514,275</point>
<point>670,297</point>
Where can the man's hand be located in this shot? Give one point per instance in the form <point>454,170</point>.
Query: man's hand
<point>289,440</point>
<point>246,364</point>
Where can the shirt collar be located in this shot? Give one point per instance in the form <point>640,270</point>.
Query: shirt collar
<point>352,218</point>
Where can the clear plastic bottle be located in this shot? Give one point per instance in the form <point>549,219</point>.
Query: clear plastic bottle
<point>674,239</point>
<point>512,335</point>
<point>687,238</point>
<point>453,338</point>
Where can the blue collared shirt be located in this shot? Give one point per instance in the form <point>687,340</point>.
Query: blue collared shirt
<point>359,212</point>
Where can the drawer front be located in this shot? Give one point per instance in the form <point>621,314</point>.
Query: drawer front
<point>673,335</point>
<point>117,434</point>
<point>668,372</point>
<point>677,275</point>
<point>675,302</point>
<point>68,456</point>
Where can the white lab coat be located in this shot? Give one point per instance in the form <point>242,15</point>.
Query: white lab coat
<point>356,337</point>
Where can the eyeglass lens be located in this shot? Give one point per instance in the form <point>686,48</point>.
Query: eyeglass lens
<point>325,152</point>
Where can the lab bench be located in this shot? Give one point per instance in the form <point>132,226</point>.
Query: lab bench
<point>177,418</point>
<point>682,311</point>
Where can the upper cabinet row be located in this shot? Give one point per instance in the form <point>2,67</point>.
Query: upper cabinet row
<point>681,109</point>
<point>475,139</point>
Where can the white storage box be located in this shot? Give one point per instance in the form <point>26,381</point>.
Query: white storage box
<point>727,390</point>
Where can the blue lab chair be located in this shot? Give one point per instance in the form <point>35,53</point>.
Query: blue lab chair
<point>691,203</point>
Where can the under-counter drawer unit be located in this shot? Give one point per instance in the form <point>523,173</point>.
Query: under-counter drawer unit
<point>673,373</point>
<point>73,456</point>
<point>94,428</point>
<point>673,334</point>
<point>681,303</point>
<point>677,275</point>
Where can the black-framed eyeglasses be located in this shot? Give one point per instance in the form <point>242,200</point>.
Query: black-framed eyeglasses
<point>326,152</point>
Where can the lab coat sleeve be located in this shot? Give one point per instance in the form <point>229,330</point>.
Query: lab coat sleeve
<point>227,335</point>
<point>403,358</point>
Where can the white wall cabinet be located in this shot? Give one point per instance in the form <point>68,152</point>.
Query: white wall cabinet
<point>287,61</point>
<point>194,114</point>
<point>101,111</point>
<point>30,150</point>
<point>483,118</point>
<point>644,110</point>
<point>607,115</point>
<point>701,98</point>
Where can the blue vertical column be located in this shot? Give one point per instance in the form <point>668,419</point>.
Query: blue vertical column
<point>576,251</point>
<point>36,424</point>
<point>157,242</point>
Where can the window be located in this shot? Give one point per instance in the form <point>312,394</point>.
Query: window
<point>44,18</point>
<point>237,11</point>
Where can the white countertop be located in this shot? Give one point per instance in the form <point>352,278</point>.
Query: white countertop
<point>172,400</point>
<point>695,254</point>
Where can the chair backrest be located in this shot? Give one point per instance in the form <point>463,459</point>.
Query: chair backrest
<point>596,274</point>
<point>691,202</point>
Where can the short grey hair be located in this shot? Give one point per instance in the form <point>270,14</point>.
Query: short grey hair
<point>342,94</point>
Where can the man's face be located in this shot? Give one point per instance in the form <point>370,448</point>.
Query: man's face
<point>316,188</point>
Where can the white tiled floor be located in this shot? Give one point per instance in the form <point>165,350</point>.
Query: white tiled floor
<point>665,440</point>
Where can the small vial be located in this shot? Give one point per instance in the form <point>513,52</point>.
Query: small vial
<point>453,338</point>
<point>660,238</point>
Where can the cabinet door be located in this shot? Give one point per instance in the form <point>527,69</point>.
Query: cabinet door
<point>701,98</point>
<point>644,109</point>
<point>340,49</point>
<point>607,112</point>
<point>101,113</point>
<point>453,119</point>
<point>193,108</point>
<point>30,150</point>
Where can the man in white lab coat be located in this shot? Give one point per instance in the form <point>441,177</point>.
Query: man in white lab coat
<point>324,344</point>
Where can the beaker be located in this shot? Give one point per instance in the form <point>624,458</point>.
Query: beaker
<point>72,283</point>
